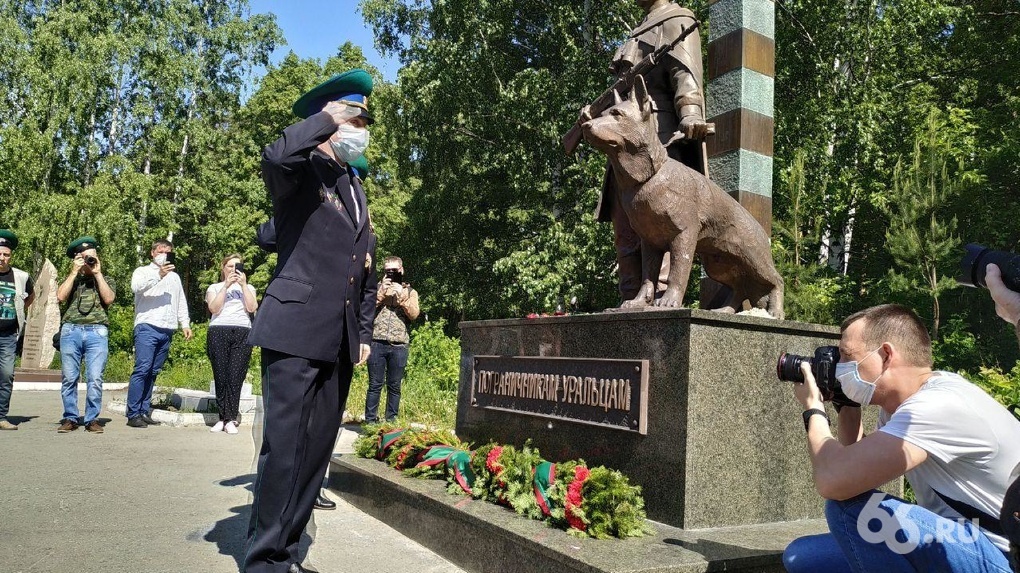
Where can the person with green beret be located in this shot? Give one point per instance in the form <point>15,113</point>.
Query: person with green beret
<point>85,295</point>
<point>315,321</point>
<point>17,291</point>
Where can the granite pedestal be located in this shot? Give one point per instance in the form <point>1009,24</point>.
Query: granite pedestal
<point>725,441</point>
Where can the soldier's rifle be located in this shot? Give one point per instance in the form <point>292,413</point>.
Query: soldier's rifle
<point>623,85</point>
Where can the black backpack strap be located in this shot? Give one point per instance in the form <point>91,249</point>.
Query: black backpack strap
<point>986,521</point>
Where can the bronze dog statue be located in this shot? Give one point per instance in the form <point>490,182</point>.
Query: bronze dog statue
<point>675,209</point>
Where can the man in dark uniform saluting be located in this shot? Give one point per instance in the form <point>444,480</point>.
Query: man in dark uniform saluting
<point>315,322</point>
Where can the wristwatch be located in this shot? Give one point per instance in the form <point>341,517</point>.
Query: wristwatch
<point>811,412</point>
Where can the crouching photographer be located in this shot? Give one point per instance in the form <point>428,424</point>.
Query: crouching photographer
<point>955,445</point>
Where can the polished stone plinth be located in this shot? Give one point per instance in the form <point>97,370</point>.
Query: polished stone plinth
<point>725,443</point>
<point>482,537</point>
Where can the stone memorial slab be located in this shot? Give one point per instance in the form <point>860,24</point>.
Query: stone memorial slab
<point>43,321</point>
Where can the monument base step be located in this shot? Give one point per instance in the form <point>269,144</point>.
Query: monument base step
<point>37,375</point>
<point>481,537</point>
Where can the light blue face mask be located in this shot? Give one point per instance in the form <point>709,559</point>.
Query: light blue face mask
<point>353,141</point>
<point>854,387</point>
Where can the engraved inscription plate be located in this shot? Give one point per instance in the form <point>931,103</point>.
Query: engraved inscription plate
<point>602,392</point>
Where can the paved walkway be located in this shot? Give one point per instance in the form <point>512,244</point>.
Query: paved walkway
<point>157,500</point>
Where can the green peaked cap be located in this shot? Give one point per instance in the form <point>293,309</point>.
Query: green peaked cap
<point>81,244</point>
<point>352,87</point>
<point>8,239</point>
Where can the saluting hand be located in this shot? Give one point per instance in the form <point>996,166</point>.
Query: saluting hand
<point>341,113</point>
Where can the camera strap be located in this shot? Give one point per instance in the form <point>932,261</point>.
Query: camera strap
<point>985,521</point>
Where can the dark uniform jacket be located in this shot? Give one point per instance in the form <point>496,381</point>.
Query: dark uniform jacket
<point>322,293</point>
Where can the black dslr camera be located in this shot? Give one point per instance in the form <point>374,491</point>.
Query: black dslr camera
<point>90,260</point>
<point>823,367</point>
<point>975,261</point>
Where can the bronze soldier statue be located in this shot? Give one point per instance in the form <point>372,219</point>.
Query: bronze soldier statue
<point>676,88</point>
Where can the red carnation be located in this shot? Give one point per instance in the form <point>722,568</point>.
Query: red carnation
<point>492,460</point>
<point>574,499</point>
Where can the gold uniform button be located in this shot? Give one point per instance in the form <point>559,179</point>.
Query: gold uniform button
<point>352,280</point>
<point>348,302</point>
<point>354,257</point>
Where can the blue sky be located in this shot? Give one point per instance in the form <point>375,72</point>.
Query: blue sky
<point>316,28</point>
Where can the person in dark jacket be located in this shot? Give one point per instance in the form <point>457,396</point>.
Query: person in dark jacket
<point>315,321</point>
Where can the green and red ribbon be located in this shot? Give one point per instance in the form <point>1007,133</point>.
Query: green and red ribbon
<point>545,475</point>
<point>385,442</point>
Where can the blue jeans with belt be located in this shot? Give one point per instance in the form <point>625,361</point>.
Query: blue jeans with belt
<point>8,348</point>
<point>386,363</point>
<point>876,532</point>
<point>90,342</point>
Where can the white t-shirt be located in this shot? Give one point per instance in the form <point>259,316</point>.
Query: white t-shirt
<point>233,312</point>
<point>973,445</point>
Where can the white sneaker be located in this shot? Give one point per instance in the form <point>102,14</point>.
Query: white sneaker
<point>218,427</point>
<point>230,427</point>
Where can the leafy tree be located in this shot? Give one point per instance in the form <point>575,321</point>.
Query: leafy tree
<point>920,237</point>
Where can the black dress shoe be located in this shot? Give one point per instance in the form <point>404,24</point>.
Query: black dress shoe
<point>137,422</point>
<point>323,502</point>
<point>148,420</point>
<point>296,568</point>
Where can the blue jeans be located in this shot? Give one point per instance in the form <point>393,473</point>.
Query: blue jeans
<point>901,537</point>
<point>8,348</point>
<point>386,362</point>
<point>91,342</point>
<point>151,348</point>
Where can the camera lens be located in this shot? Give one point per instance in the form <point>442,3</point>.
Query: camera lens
<point>90,261</point>
<point>976,260</point>
<point>788,367</point>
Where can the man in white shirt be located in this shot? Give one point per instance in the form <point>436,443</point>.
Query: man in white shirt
<point>160,305</point>
<point>953,442</point>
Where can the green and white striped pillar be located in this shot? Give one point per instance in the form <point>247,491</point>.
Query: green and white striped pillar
<point>741,93</point>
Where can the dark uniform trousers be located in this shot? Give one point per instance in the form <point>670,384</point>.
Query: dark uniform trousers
<point>300,431</point>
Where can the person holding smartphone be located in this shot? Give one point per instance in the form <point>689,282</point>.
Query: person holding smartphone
<point>396,306</point>
<point>160,306</point>
<point>231,302</point>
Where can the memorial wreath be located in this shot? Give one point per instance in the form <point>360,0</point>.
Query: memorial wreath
<point>588,502</point>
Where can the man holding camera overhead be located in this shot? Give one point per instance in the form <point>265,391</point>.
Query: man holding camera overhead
<point>86,293</point>
<point>955,445</point>
<point>1007,306</point>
